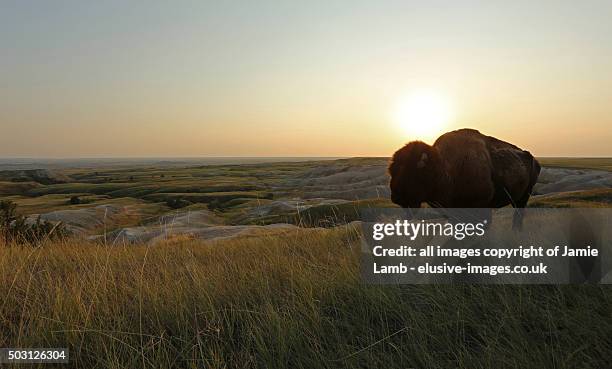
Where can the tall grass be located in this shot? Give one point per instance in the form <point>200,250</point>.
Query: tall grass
<point>291,301</point>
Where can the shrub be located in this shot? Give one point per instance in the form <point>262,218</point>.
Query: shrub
<point>8,219</point>
<point>15,228</point>
<point>176,203</point>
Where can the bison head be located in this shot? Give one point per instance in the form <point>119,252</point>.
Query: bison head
<point>414,170</point>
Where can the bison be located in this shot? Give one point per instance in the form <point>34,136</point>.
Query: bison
<point>463,169</point>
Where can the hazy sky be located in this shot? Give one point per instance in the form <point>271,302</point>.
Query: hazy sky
<point>303,78</point>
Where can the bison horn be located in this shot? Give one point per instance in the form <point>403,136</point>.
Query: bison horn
<point>421,162</point>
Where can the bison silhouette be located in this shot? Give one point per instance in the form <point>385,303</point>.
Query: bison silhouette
<point>463,169</point>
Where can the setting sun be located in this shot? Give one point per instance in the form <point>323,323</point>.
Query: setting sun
<point>423,115</point>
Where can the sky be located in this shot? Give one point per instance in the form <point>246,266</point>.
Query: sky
<point>300,78</point>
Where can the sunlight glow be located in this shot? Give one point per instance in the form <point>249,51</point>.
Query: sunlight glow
<point>423,115</point>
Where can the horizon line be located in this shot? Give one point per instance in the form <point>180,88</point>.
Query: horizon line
<point>249,157</point>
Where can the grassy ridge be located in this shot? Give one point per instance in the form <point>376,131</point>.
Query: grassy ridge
<point>597,198</point>
<point>578,163</point>
<point>283,302</point>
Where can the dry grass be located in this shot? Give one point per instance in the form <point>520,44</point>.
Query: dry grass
<point>294,301</point>
<point>597,198</point>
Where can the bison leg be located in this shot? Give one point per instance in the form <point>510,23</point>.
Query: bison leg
<point>517,220</point>
<point>519,212</point>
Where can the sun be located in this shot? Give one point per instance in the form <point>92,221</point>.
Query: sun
<point>423,115</point>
